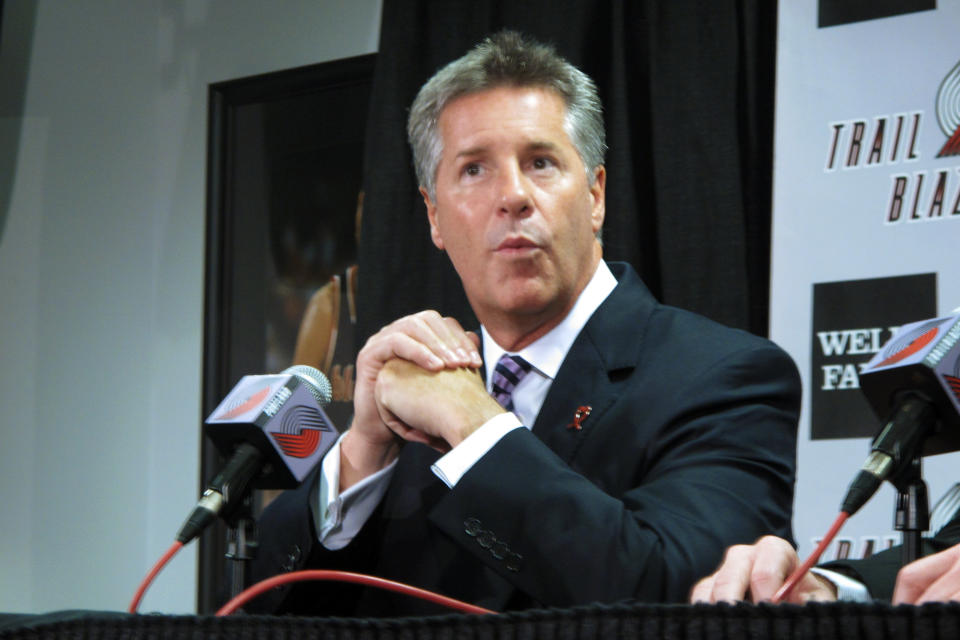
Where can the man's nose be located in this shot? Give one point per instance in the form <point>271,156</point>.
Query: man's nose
<point>515,192</point>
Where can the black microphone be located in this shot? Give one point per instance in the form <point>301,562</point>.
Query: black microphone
<point>914,381</point>
<point>273,430</point>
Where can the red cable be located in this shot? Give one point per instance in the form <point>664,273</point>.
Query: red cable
<point>795,577</point>
<point>138,596</point>
<point>252,592</point>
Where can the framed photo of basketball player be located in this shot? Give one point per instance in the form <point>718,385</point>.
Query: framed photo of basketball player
<point>284,171</point>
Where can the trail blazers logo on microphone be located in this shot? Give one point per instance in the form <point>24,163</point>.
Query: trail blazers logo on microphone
<point>953,381</point>
<point>913,342</point>
<point>300,431</point>
<point>248,403</point>
<point>923,358</point>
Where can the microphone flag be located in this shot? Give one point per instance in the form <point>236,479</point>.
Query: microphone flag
<point>281,415</point>
<point>921,357</point>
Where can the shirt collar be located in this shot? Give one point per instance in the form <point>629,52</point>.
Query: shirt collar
<point>547,352</point>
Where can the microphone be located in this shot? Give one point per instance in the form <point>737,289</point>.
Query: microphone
<point>273,430</point>
<point>914,380</point>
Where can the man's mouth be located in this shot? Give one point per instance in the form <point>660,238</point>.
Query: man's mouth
<point>517,245</point>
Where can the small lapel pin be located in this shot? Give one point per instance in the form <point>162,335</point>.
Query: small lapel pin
<point>579,416</point>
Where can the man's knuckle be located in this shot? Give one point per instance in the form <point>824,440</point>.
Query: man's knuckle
<point>771,541</point>
<point>908,575</point>
<point>736,552</point>
<point>721,581</point>
<point>763,575</point>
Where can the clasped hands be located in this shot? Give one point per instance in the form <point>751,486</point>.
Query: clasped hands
<point>416,381</point>
<point>755,573</point>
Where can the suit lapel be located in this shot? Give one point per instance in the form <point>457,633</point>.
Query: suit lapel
<point>611,341</point>
<point>581,387</point>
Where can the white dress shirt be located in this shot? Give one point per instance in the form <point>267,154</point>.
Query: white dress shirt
<point>339,516</point>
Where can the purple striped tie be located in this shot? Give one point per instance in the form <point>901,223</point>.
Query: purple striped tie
<point>508,373</point>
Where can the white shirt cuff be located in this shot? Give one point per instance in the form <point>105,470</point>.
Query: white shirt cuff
<point>342,515</point>
<point>848,589</point>
<point>451,467</point>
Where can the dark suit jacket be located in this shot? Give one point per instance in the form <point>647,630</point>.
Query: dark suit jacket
<point>689,447</point>
<point>879,571</point>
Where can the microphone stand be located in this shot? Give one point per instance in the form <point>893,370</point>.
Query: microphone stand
<point>912,515</point>
<point>242,543</point>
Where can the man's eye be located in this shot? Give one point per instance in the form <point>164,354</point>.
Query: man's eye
<point>542,163</point>
<point>471,170</point>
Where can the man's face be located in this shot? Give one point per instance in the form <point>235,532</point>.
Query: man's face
<point>514,209</point>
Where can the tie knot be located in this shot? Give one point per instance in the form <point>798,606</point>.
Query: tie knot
<point>507,374</point>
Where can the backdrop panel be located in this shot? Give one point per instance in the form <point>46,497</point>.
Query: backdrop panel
<point>866,225</point>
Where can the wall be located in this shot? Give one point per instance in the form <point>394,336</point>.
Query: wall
<point>102,177</point>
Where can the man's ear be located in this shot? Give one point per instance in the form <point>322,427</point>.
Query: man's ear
<point>598,194</point>
<point>432,217</point>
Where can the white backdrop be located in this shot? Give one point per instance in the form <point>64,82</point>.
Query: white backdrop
<point>838,217</point>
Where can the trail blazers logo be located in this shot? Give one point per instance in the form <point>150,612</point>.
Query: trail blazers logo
<point>246,404</point>
<point>953,381</point>
<point>300,431</point>
<point>910,344</point>
<point>918,190</point>
<point>948,112</point>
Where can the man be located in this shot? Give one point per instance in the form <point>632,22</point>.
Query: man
<point>756,572</point>
<point>632,438</point>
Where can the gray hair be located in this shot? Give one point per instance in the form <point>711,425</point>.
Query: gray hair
<point>506,59</point>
